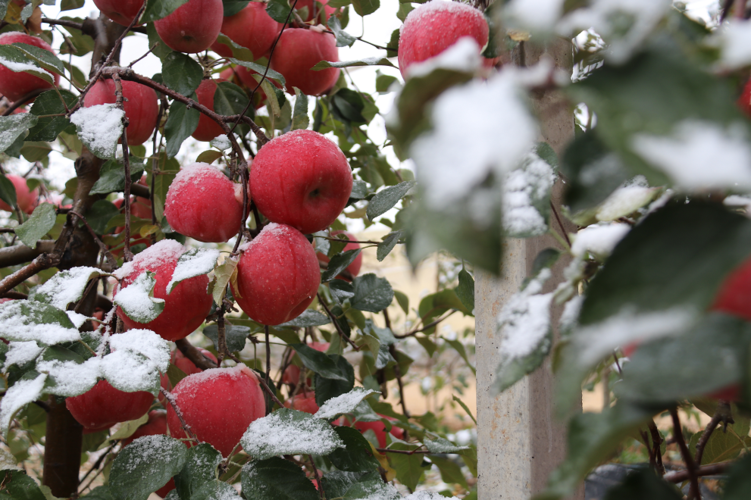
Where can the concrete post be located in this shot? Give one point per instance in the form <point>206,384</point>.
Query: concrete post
<point>519,441</point>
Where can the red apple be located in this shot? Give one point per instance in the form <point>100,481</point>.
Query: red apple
<point>193,27</point>
<point>744,101</point>
<point>188,304</point>
<point>354,267</point>
<point>121,11</point>
<point>103,406</point>
<point>251,28</point>
<point>140,105</point>
<point>379,428</point>
<point>310,5</point>
<point>204,204</point>
<point>292,372</point>
<point>734,296</point>
<point>303,402</point>
<point>434,27</point>
<point>277,275</point>
<point>207,128</point>
<point>297,51</point>
<point>218,405</point>
<point>16,85</point>
<point>155,425</point>
<point>301,179</point>
<point>178,359</point>
<point>27,201</point>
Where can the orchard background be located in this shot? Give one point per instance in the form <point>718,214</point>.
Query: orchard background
<point>444,156</point>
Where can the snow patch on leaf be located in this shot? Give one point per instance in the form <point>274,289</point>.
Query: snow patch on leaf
<point>345,403</point>
<point>71,378</point>
<point>99,128</point>
<point>289,432</point>
<point>137,301</point>
<point>24,320</point>
<point>65,287</point>
<point>22,393</point>
<point>598,240</point>
<point>145,342</point>
<point>526,198</point>
<point>192,263</point>
<point>525,319</point>
<point>20,353</point>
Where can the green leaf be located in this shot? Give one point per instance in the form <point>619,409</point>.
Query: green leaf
<point>3,8</point>
<point>7,191</point>
<point>216,489</point>
<point>19,486</point>
<point>43,58</point>
<point>234,335</point>
<point>409,468</point>
<point>388,244</point>
<point>308,318</point>
<point>321,363</point>
<point>100,493</point>
<point>339,263</point>
<point>440,445</point>
<point>112,176</point>
<point>372,294</point>
<point>71,4</point>
<point>276,479</point>
<point>159,9</point>
<point>261,70</point>
<point>357,454</point>
<point>222,276</point>
<point>372,488</point>
<point>200,468</point>
<point>327,388</point>
<point>343,39</point>
<point>466,290</point>
<point>232,7</point>
<point>133,478</point>
<point>450,471</point>
<point>278,10</point>
<point>137,299</point>
<point>14,126</point>
<point>289,432</point>
<point>209,156</point>
<point>402,300</point>
<point>100,214</point>
<point>384,83</point>
<point>21,63</point>
<point>365,7</point>
<point>194,262</point>
<point>385,199</point>
<point>722,446</point>
<point>181,123</point>
<point>161,50</point>
<point>48,128</point>
<point>181,73</point>
<point>38,225</point>
<point>341,290</point>
<point>738,485</point>
<point>300,118</point>
<point>26,320</point>
<point>644,485</point>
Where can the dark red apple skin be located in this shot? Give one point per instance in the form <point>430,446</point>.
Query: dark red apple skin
<point>292,372</point>
<point>301,179</point>
<point>297,51</point>
<point>434,27</point>
<point>16,85</point>
<point>103,406</point>
<point>278,275</point>
<point>185,308</point>
<point>27,201</point>
<point>303,402</point>
<point>193,27</point>
<point>140,105</point>
<point>734,296</point>
<point>251,28</point>
<point>354,267</point>
<point>120,11</point>
<point>744,101</point>
<point>219,405</point>
<point>378,427</point>
<point>207,128</point>
<point>179,360</point>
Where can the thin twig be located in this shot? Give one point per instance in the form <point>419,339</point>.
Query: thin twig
<point>171,400</point>
<point>23,100</point>
<point>403,452</point>
<point>318,479</point>
<point>127,254</point>
<point>268,390</point>
<point>426,327</point>
<point>721,415</point>
<point>679,476</point>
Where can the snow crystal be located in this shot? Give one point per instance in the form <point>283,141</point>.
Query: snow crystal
<point>625,200</point>
<point>496,136</point>
<point>136,300</point>
<point>695,145</point>
<point>463,56</point>
<point>23,320</point>
<point>734,40</point>
<point>20,353</point>
<point>376,490</point>
<point>345,403</point>
<point>154,257</point>
<point>525,319</point>
<point>65,287</point>
<point>428,495</point>
<point>99,127</point>
<point>193,263</point>
<point>144,342</point>
<point>22,393</point>
<point>71,378</point>
<point>130,371</point>
<point>533,15</point>
<point>623,25</point>
<point>599,239</point>
<point>283,432</point>
<point>523,186</point>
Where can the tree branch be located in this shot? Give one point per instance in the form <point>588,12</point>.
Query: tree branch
<point>679,476</point>
<point>693,492</point>
<point>18,254</point>
<point>193,354</point>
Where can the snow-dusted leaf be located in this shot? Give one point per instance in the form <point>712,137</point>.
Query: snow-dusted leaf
<point>289,432</point>
<point>388,244</point>
<point>309,317</point>
<point>146,342</point>
<point>385,199</point>
<point>8,461</point>
<point>368,61</point>
<point>374,489</point>
<point>599,240</point>
<point>68,377</point>
<point>526,198</point>
<point>441,445</point>
<point>64,287</point>
<point>276,479</point>
<point>43,58</point>
<point>16,60</point>
<point>22,393</point>
<point>216,490</point>
<point>194,262</point>
<point>39,224</point>
<point>99,128</point>
<point>145,465</point>
<point>25,320</point>
<point>346,403</point>
<point>20,353</point>
<point>13,126</point>
<point>341,290</point>
<point>222,275</point>
<point>428,495</point>
<point>137,299</point>
<point>130,371</point>
<point>200,468</point>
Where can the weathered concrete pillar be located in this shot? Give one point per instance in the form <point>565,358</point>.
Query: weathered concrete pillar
<point>519,440</point>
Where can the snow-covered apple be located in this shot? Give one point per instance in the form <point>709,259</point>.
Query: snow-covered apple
<point>303,402</point>
<point>291,374</point>
<point>301,179</point>
<point>16,85</point>
<point>218,405</point>
<point>297,51</point>
<point>27,200</point>
<point>251,28</point>
<point>185,307</point>
<point>277,275</point>
<point>204,204</point>
<point>434,27</point>
<point>140,105</point>
<point>121,11</point>
<point>103,406</point>
<point>193,27</point>
<point>207,128</point>
<point>354,267</point>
